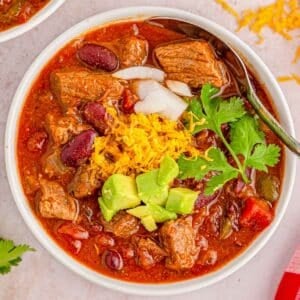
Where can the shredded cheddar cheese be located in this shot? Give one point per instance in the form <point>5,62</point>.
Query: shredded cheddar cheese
<point>137,143</point>
<point>282,16</point>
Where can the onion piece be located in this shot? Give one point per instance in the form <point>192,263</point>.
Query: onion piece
<point>156,98</point>
<point>178,87</point>
<point>140,72</point>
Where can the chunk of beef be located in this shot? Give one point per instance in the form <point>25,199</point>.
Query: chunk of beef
<point>61,129</point>
<point>148,252</point>
<point>85,182</point>
<point>179,241</point>
<point>192,62</point>
<point>132,51</point>
<point>122,225</point>
<point>54,202</point>
<point>72,87</point>
<point>52,164</point>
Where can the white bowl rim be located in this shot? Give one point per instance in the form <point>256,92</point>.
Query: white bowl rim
<point>32,222</point>
<point>35,20</point>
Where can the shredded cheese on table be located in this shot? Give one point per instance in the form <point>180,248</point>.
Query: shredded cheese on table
<point>137,143</point>
<point>289,78</point>
<point>228,8</point>
<point>297,55</point>
<point>282,16</point>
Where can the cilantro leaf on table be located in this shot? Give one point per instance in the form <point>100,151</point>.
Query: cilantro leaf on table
<point>247,145</point>
<point>10,255</point>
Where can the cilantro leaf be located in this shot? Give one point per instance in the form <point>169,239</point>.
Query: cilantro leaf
<point>199,167</point>
<point>217,181</point>
<point>10,255</point>
<point>214,110</point>
<point>248,140</point>
<point>264,156</point>
<point>229,110</point>
<point>247,145</point>
<point>192,167</point>
<point>198,119</point>
<point>244,135</point>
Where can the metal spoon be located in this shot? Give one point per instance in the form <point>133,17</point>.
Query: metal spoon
<point>195,32</point>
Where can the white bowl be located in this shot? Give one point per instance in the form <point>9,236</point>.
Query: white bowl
<point>35,20</point>
<point>12,168</point>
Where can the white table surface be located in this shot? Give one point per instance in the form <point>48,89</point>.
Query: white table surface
<point>40,276</point>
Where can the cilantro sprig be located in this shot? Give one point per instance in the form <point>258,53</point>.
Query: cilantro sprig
<point>247,145</point>
<point>10,255</point>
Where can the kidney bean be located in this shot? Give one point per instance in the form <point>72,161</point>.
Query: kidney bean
<point>79,148</point>
<point>112,259</point>
<point>98,57</point>
<point>95,114</point>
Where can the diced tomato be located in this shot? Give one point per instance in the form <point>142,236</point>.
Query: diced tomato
<point>256,214</point>
<point>128,101</point>
<point>74,230</point>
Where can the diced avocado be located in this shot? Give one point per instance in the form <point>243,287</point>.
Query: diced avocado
<point>106,212</point>
<point>181,200</point>
<point>158,213</point>
<point>149,223</point>
<point>119,192</point>
<point>149,190</point>
<point>168,171</point>
<point>139,212</point>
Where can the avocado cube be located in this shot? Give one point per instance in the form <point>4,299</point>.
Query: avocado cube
<point>160,214</point>
<point>168,171</point>
<point>149,190</point>
<point>149,223</point>
<point>181,200</point>
<point>139,212</point>
<point>106,212</point>
<point>119,192</point>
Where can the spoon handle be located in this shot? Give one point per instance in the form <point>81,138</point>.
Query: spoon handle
<point>272,123</point>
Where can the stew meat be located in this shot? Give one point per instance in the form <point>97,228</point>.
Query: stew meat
<point>69,108</point>
<point>16,12</point>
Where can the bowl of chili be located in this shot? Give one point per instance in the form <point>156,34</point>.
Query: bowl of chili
<point>19,16</point>
<point>37,78</point>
